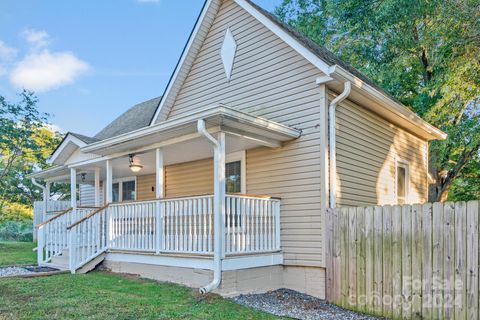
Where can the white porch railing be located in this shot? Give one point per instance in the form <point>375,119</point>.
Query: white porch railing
<point>252,224</point>
<point>185,225</point>
<point>52,234</point>
<point>180,225</point>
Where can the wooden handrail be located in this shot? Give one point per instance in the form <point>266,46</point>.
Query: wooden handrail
<point>53,218</point>
<point>88,216</point>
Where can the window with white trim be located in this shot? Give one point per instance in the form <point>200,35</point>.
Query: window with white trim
<point>124,189</point>
<point>402,185</point>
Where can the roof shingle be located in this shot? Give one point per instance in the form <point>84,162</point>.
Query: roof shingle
<point>136,117</point>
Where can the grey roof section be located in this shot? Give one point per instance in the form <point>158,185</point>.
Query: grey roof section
<point>136,117</point>
<point>322,52</point>
<point>85,139</point>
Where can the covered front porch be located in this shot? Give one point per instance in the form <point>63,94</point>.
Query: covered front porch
<point>172,194</point>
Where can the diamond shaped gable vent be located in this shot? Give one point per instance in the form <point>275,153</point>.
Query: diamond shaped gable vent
<point>229,47</point>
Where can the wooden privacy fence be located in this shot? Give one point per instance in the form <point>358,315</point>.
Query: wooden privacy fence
<point>405,262</point>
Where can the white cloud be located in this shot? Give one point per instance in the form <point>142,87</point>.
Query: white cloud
<point>47,70</point>
<point>37,38</point>
<point>55,127</point>
<point>7,53</point>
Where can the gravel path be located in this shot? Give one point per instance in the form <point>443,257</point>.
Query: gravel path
<point>289,303</point>
<point>26,270</point>
<point>13,271</point>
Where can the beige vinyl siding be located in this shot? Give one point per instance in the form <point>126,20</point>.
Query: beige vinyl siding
<point>367,148</point>
<point>269,79</point>
<point>146,187</point>
<point>87,195</point>
<point>189,178</point>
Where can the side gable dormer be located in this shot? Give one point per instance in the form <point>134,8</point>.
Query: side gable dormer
<point>68,150</point>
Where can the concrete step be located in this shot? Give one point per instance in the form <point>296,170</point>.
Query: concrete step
<point>60,261</point>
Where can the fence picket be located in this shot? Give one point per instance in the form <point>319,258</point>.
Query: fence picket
<point>405,262</point>
<point>459,301</point>
<point>472,270</point>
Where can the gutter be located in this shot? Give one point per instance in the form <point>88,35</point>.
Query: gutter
<point>432,133</point>
<point>218,230</point>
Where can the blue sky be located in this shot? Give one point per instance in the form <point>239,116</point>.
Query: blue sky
<point>88,61</point>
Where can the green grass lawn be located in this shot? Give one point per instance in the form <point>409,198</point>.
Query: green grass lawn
<point>12,252</point>
<point>103,295</point>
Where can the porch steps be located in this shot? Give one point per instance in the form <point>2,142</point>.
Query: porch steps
<point>61,262</point>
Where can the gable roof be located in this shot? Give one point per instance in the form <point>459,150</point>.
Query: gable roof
<point>319,56</point>
<point>136,117</point>
<point>84,138</point>
<point>67,146</point>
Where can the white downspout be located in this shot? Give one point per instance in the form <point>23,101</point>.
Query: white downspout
<point>44,190</point>
<point>332,142</point>
<point>218,193</point>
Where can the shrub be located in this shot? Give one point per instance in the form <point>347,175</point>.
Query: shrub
<point>15,212</point>
<point>16,230</point>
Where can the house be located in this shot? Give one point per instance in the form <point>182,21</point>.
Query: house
<point>223,182</point>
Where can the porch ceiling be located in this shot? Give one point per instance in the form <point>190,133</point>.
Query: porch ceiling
<point>218,118</point>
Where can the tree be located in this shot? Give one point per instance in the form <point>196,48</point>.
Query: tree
<point>26,141</point>
<point>424,53</point>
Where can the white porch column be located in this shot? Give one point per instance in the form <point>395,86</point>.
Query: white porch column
<point>73,188</point>
<point>160,174</point>
<point>97,187</point>
<point>108,187</point>
<point>219,191</point>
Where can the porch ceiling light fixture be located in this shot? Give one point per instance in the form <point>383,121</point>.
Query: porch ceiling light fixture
<point>135,166</point>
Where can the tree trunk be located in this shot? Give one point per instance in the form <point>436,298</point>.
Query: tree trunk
<point>437,193</point>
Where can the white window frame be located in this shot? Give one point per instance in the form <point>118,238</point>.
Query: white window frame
<point>234,157</point>
<point>120,187</point>
<point>406,165</point>
<point>239,156</point>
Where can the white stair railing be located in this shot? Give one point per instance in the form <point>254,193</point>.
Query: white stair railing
<point>88,238</point>
<point>52,233</point>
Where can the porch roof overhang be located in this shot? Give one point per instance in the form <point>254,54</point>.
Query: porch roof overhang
<point>55,173</point>
<point>217,118</point>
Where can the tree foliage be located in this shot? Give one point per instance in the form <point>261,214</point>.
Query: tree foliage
<point>26,141</point>
<point>425,53</point>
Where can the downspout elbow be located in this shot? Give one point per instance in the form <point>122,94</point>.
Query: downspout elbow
<point>35,183</point>
<point>215,282</point>
<point>203,131</point>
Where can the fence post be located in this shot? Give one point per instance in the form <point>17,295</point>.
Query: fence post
<point>40,244</point>
<point>72,246</point>
<point>158,226</point>
<point>277,225</point>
